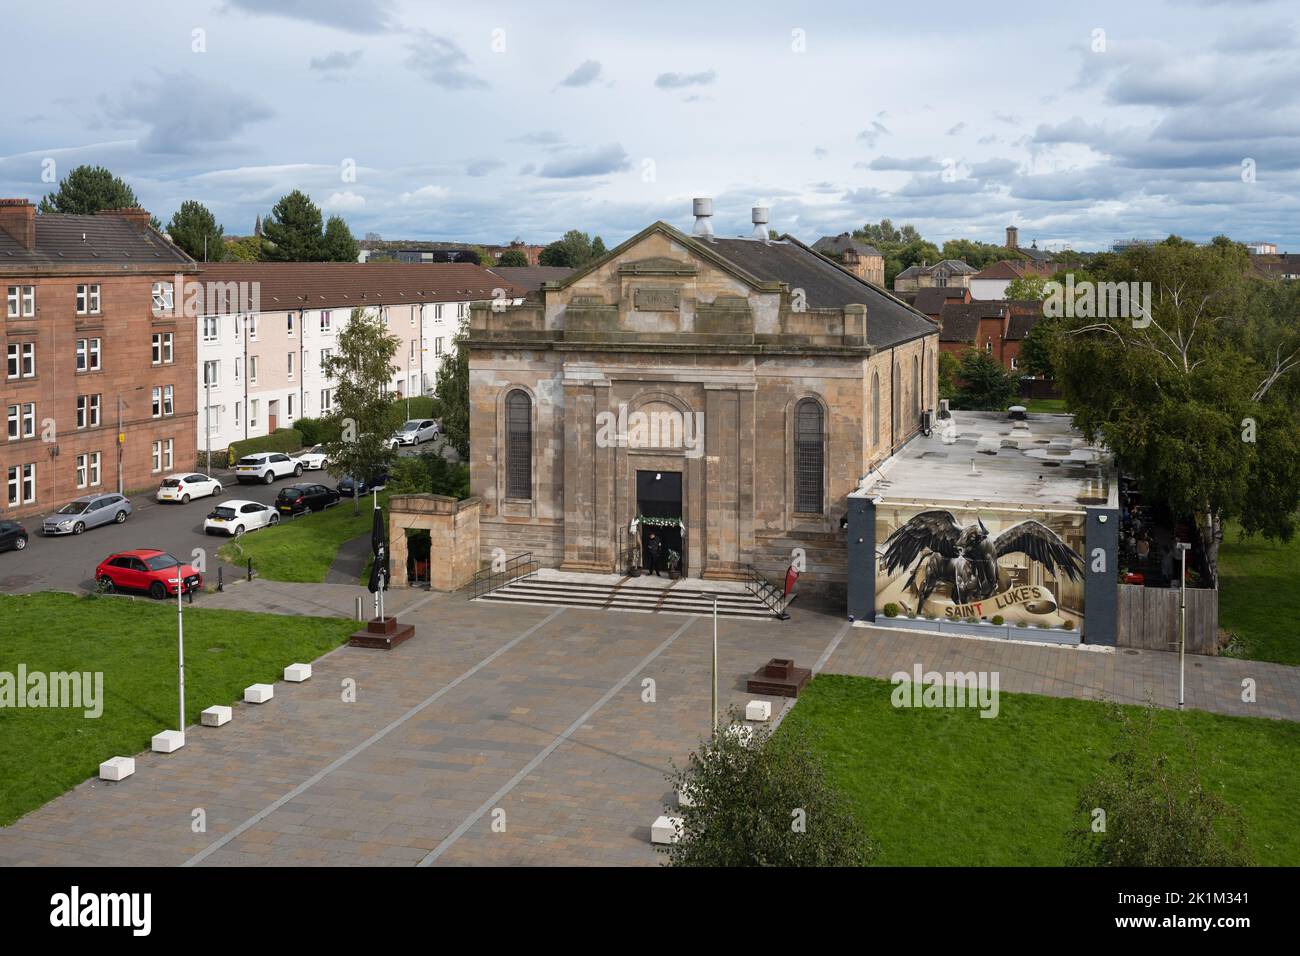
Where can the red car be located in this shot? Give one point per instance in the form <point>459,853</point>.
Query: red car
<point>145,569</point>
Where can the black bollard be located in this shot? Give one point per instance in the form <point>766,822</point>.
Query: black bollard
<point>250,569</point>
<point>220,584</point>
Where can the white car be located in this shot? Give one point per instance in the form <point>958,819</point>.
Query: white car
<point>236,517</point>
<point>414,432</point>
<point>314,458</point>
<point>266,466</point>
<point>184,487</point>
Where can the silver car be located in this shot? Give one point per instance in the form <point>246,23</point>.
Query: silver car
<point>88,511</point>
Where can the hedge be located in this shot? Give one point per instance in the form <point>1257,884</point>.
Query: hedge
<point>288,440</point>
<point>318,431</point>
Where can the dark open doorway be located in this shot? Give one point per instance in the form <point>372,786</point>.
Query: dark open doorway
<point>659,495</point>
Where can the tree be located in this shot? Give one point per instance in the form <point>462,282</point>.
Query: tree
<point>1031,287</point>
<point>1148,809</point>
<point>574,250</point>
<point>338,245</point>
<point>244,249</point>
<point>765,803</point>
<point>361,366</point>
<point>949,368</point>
<point>1036,350</point>
<point>512,257</point>
<point>292,232</point>
<point>451,395</point>
<point>977,254</point>
<point>88,189</point>
<point>983,384</point>
<point>195,229</point>
<point>429,474</point>
<point>1193,395</point>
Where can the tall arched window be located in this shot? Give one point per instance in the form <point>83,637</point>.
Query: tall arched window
<point>519,445</point>
<point>895,404</point>
<point>809,457</point>
<point>916,387</point>
<point>875,409</point>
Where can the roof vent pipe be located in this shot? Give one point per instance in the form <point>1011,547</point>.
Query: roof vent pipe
<point>703,218</point>
<point>759,218</point>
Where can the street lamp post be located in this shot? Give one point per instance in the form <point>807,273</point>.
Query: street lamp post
<point>180,648</point>
<point>715,666</point>
<point>1183,547</point>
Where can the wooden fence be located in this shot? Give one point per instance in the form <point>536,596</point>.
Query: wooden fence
<point>1148,619</point>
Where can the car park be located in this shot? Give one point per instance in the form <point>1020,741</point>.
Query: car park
<point>237,517</point>
<point>13,536</point>
<point>303,498</point>
<point>349,487</point>
<point>414,432</point>
<point>146,569</point>
<point>88,511</point>
<point>183,487</point>
<point>266,467</point>
<point>314,458</point>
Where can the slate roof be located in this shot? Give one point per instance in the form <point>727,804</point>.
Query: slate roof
<point>827,286</point>
<point>63,239</point>
<point>954,266</point>
<point>838,245</point>
<point>530,278</point>
<point>960,321</point>
<point>329,285</point>
<point>1019,324</point>
<point>932,299</point>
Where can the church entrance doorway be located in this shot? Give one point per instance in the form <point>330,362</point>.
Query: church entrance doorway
<point>659,504</point>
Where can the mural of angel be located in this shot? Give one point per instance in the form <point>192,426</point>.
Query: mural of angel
<point>966,559</point>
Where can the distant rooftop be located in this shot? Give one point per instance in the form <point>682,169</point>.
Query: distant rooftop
<point>1042,463</point>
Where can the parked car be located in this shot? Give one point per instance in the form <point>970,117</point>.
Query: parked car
<point>300,499</point>
<point>184,487</point>
<point>146,569</point>
<point>236,517</point>
<point>414,432</point>
<point>266,466</point>
<point>13,536</point>
<point>314,458</point>
<point>349,486</point>
<point>88,511</point>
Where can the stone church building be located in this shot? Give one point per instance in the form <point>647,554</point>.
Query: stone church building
<point>731,393</point>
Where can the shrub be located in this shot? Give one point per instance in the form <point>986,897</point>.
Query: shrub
<point>286,440</point>
<point>765,803</point>
<point>1156,810</point>
<point>999,620</point>
<point>891,609</point>
<point>1022,623</point>
<point>1067,624</point>
<point>429,473</point>
<point>318,431</point>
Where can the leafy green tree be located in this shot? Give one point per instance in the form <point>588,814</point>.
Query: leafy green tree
<point>1036,350</point>
<point>292,231</point>
<point>88,189</point>
<point>765,803</point>
<point>1195,396</point>
<point>977,254</point>
<point>361,366</point>
<point>1030,287</point>
<point>512,257</point>
<point>598,248</point>
<point>195,229</point>
<point>574,250</point>
<point>1148,808</point>
<point>451,395</point>
<point>431,474</point>
<point>338,245</point>
<point>949,369</point>
<point>245,249</point>
<point>983,384</point>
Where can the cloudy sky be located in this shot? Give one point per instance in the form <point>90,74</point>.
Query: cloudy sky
<point>1080,123</point>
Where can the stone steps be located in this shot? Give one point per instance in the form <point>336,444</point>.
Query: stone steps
<point>622,596</point>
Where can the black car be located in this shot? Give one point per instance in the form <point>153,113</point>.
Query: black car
<point>300,499</point>
<point>350,486</point>
<point>13,536</point>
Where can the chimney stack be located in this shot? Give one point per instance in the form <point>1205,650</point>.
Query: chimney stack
<point>759,218</point>
<point>703,208</point>
<point>1013,237</point>
<point>133,214</point>
<point>18,218</point>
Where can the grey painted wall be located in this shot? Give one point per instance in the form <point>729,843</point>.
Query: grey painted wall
<point>1101,581</point>
<point>862,559</point>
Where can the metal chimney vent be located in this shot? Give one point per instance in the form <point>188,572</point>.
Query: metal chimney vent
<point>759,218</point>
<point>703,218</point>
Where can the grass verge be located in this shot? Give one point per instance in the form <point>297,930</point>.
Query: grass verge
<point>303,548</point>
<point>1259,595</point>
<point>45,751</point>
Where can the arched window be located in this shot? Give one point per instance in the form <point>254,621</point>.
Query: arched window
<point>519,445</point>
<point>916,387</point>
<point>809,457</point>
<point>895,404</point>
<point>875,409</point>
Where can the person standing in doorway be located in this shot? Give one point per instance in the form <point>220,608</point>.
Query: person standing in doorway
<point>654,547</point>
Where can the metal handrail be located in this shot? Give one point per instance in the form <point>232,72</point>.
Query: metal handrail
<point>487,580</point>
<point>767,592</point>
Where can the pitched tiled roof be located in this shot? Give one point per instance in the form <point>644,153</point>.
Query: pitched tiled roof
<point>103,240</point>
<point>530,278</point>
<point>1018,325</point>
<point>329,285</point>
<point>954,266</point>
<point>960,321</point>
<point>932,299</point>
<point>838,245</point>
<point>889,321</point>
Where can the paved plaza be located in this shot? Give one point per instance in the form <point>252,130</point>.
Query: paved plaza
<point>514,735</point>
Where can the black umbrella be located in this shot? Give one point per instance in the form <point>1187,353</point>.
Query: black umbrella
<point>378,548</point>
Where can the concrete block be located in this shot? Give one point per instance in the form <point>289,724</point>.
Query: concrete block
<point>216,715</point>
<point>758,710</point>
<point>666,830</point>
<point>258,693</point>
<point>117,768</point>
<point>168,741</point>
<point>297,673</point>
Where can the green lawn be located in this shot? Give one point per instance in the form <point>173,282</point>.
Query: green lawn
<point>1053,406</point>
<point>302,549</point>
<point>947,787</point>
<point>1259,595</point>
<point>45,751</point>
